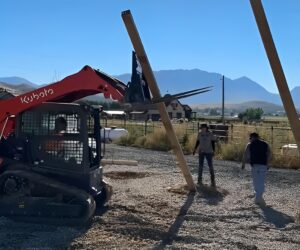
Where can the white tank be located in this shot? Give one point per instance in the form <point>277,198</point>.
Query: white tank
<point>111,134</point>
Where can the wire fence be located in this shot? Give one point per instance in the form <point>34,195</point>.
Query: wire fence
<point>278,137</point>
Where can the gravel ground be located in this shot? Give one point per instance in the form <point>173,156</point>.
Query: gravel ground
<point>145,213</point>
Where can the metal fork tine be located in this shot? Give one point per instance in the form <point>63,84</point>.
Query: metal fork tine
<point>191,94</point>
<point>191,91</point>
<point>182,95</point>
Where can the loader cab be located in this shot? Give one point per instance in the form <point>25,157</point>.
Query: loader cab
<point>63,141</point>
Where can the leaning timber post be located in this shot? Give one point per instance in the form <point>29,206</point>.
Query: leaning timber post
<point>148,73</point>
<point>275,64</point>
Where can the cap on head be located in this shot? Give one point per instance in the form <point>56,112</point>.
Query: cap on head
<point>254,135</point>
<point>60,124</point>
<point>204,125</point>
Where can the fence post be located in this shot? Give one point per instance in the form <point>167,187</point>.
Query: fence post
<point>145,133</point>
<point>231,136</point>
<point>152,127</point>
<point>272,137</point>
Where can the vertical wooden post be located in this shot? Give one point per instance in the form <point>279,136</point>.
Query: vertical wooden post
<point>148,73</point>
<point>223,101</point>
<point>145,132</point>
<point>275,64</point>
<point>272,137</point>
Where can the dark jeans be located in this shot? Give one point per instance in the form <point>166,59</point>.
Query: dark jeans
<point>209,159</point>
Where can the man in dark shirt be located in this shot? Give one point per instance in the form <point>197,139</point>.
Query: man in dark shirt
<point>6,153</point>
<point>258,154</point>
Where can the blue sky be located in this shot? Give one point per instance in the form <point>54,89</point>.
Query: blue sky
<point>46,40</point>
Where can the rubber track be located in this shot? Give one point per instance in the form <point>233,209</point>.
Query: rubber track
<point>88,202</point>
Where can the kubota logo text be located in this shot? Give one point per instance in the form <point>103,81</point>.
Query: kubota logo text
<point>36,95</point>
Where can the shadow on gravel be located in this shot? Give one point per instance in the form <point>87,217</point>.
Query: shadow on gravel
<point>126,175</point>
<point>18,235</point>
<point>212,195</point>
<point>102,210</point>
<point>173,230</point>
<point>278,219</point>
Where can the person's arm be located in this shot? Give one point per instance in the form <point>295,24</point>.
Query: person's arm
<point>196,146</point>
<point>246,155</point>
<point>269,156</point>
<point>213,139</point>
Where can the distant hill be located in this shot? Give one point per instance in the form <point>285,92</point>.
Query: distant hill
<point>16,85</point>
<point>236,91</point>
<point>14,80</point>
<point>296,96</point>
<point>19,89</point>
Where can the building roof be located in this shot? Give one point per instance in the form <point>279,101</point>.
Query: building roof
<point>186,107</point>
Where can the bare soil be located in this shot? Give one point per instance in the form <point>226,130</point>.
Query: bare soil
<point>151,208</point>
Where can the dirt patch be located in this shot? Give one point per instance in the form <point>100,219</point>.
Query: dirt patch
<point>179,189</point>
<point>127,175</point>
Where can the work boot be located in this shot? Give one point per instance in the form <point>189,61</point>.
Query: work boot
<point>260,202</point>
<point>199,183</point>
<point>213,181</point>
<point>213,184</point>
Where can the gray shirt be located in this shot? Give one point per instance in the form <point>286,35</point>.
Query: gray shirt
<point>205,142</point>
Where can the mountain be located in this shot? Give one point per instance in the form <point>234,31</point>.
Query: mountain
<point>296,96</point>
<point>239,90</point>
<point>16,85</point>
<point>17,89</point>
<point>236,90</point>
<point>14,80</point>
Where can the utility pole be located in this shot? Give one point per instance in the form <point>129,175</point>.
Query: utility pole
<point>223,106</point>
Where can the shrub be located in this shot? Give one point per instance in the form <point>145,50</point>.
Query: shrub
<point>230,151</point>
<point>286,161</point>
<point>158,140</point>
<point>140,142</point>
<point>127,140</point>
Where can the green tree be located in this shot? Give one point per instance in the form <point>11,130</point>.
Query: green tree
<point>251,114</point>
<point>213,112</point>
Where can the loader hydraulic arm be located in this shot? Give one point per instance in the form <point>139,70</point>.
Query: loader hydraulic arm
<point>84,83</point>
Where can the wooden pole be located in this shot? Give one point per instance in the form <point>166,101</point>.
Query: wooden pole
<point>275,64</point>
<point>223,101</point>
<point>148,73</point>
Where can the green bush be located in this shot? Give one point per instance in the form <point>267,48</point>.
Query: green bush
<point>251,114</point>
